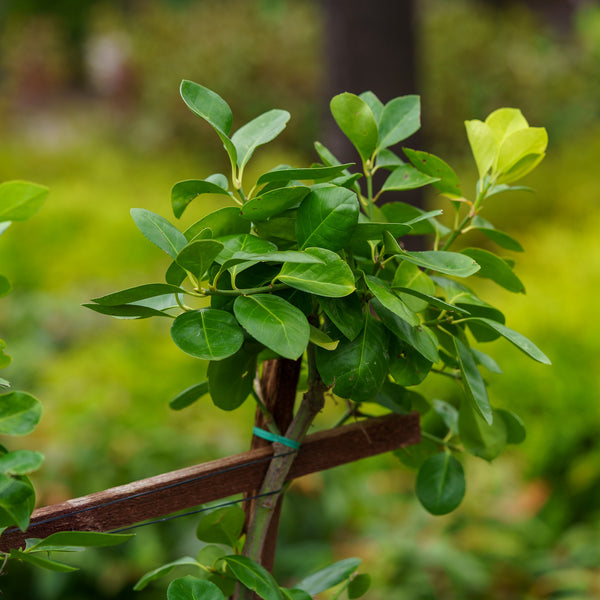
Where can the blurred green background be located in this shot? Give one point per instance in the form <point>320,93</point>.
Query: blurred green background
<point>89,106</point>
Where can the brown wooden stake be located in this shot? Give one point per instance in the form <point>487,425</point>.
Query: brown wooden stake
<point>168,493</point>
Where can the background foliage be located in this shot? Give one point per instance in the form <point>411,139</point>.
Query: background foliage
<point>529,528</point>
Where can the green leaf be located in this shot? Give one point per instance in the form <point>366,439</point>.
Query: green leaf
<point>127,311</point>
<point>473,381</point>
<point>193,588</point>
<point>221,526</point>
<point>291,256</point>
<point>495,268</point>
<point>483,145</point>
<point>243,243</point>
<point>20,200</point>
<point>274,322</point>
<point>406,177</point>
<point>401,117</point>
<point>186,191</point>
<point>189,396</point>
<point>140,292</point>
<point>505,121</point>
<point>198,256</point>
<point>441,484</point>
<point>5,286</point>
<point>421,222</point>
<point>520,341</point>
<point>407,365</point>
<point>309,174</point>
<point>515,429</point>
<point>5,359</point>
<point>386,159</point>
<point>375,231</point>
<point>280,229</point>
<point>159,231</point>
<point>327,218</point>
<point>355,119</point>
<point>17,499</point>
<point>486,361</point>
<point>21,462</point>
<point>381,290</point>
<point>359,586</point>
<point>448,414</point>
<point>329,576</point>
<point>519,145</point>
<point>374,103</point>
<point>222,222</point>
<point>79,539</point>
<point>19,413</point>
<point>333,278</point>
<point>345,313</point>
<point>44,563</point>
<point>450,263</point>
<point>257,132</point>
<point>254,577</point>
<point>163,570</point>
<point>395,397</point>
<point>502,239</point>
<point>448,182</point>
<point>477,436</point>
<point>321,339</point>
<point>356,369</point>
<point>230,380</point>
<point>410,276</point>
<point>207,333</point>
<point>273,203</point>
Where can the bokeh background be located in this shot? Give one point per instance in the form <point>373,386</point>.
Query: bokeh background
<point>89,106</point>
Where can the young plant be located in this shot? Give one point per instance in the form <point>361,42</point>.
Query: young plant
<point>304,263</point>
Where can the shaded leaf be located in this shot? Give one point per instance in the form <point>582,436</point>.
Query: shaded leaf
<point>140,292</point>
<point>80,539</point>
<point>221,526</point>
<point>359,586</point>
<point>375,231</point>
<point>473,381</point>
<point>230,380</point>
<point>20,462</point>
<point>254,577</point>
<point>5,286</point>
<point>189,396</point>
<point>19,413</point>
<point>410,276</point>
<point>407,366</point>
<point>502,239</point>
<point>321,339</point>
<point>345,313</point>
<point>496,269</point>
<point>329,577</point>
<point>163,570</point>
<point>222,222</point>
<point>17,499</point>
<point>448,413</point>
<point>374,104</point>
<point>273,203</point>
<point>126,311</point>
<point>381,290</point>
<point>515,429</point>
<point>193,588</point>
<point>477,436</point>
<point>184,192</point>
<point>39,561</point>
<point>441,484</point>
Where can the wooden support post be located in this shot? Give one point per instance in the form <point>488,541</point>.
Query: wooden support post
<point>164,494</point>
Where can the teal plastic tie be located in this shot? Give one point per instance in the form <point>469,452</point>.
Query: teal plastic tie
<point>273,437</point>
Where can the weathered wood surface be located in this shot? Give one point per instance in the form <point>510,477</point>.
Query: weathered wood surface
<point>164,494</point>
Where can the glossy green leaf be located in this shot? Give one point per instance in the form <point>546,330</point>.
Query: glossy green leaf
<point>495,268</point>
<point>257,132</point>
<point>520,341</point>
<point>254,577</point>
<point>374,103</point>
<point>410,276</point>
<point>375,231</point>
<point>274,322</point>
<point>381,290</point>
<point>221,526</point>
<point>159,231</point>
<point>333,278</point>
<point>19,413</point>
<point>40,561</point>
<point>230,380</point>
<point>189,396</point>
<point>193,588</point>
<point>290,256</point>
<point>502,239</point>
<point>80,539</point>
<point>357,369</point>
<point>185,561</point>
<point>355,119</point>
<point>17,499</point>
<point>515,429</point>
<point>306,174</point>
<point>441,484</point>
<point>243,243</point>
<point>5,286</point>
<point>395,397</point>
<point>21,462</point>
<point>450,263</point>
<point>186,191</point>
<point>140,292</point>
<point>198,256</point>
<point>475,388</point>
<point>273,203</point>
<point>327,218</point>
<point>483,145</point>
<point>401,117</point>
<point>406,177</point>
<point>420,337</point>
<point>345,313</point>
<point>222,222</point>
<point>208,333</point>
<point>327,156</point>
<point>359,586</point>
<point>20,200</point>
<point>407,365</point>
<point>321,339</point>
<point>126,311</point>
<point>329,577</point>
<point>477,436</point>
<point>421,222</point>
<point>280,229</point>
<point>448,182</point>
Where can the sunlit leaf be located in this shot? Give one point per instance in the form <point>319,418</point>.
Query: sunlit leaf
<point>356,120</point>
<point>450,263</point>
<point>20,200</point>
<point>448,182</point>
<point>483,145</point>
<point>400,118</point>
<point>273,203</point>
<point>186,191</point>
<point>307,174</point>
<point>381,290</point>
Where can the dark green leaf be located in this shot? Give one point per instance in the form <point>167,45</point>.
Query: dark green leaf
<point>406,177</point>
<point>159,231</point>
<point>280,229</point>
<point>79,539</point>
<point>327,218</point>
<point>496,269</point>
<point>333,278</point>
<point>221,526</point>
<point>400,212</point>
<point>257,132</point>
<point>381,290</point>
<point>290,256</point>
<point>39,561</point>
<point>21,462</point>
<point>357,369</point>
<point>400,118</point>
<point>515,429</point>
<point>126,311</point>
<point>395,398</point>
<point>19,413</point>
<point>415,455</point>
<point>450,263</point>
<point>5,286</point>
<point>329,576</point>
<point>374,103</point>
<point>375,231</point>
<point>230,380</point>
<point>243,243</point>
<point>254,577</point>
<point>17,499</point>
<point>222,222</point>
<point>186,191</point>
<point>163,570</point>
<point>189,396</point>
<point>355,119</point>
<point>140,292</point>
<point>193,588</point>
<point>274,322</point>
<point>441,484</point>
<point>20,200</point>
<point>486,361</point>
<point>273,203</point>
<point>473,381</point>
<point>198,256</point>
<point>407,366</point>
<point>308,174</point>
<point>208,333</point>
<point>502,239</point>
<point>434,166</point>
<point>478,437</point>
<point>359,586</point>
<point>448,413</point>
<point>345,313</point>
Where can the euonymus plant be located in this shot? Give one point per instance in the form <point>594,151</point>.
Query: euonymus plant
<point>309,263</point>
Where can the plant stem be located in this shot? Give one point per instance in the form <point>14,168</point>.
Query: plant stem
<point>243,292</point>
<point>439,440</point>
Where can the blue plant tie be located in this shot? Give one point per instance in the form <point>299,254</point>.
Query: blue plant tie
<point>273,437</point>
